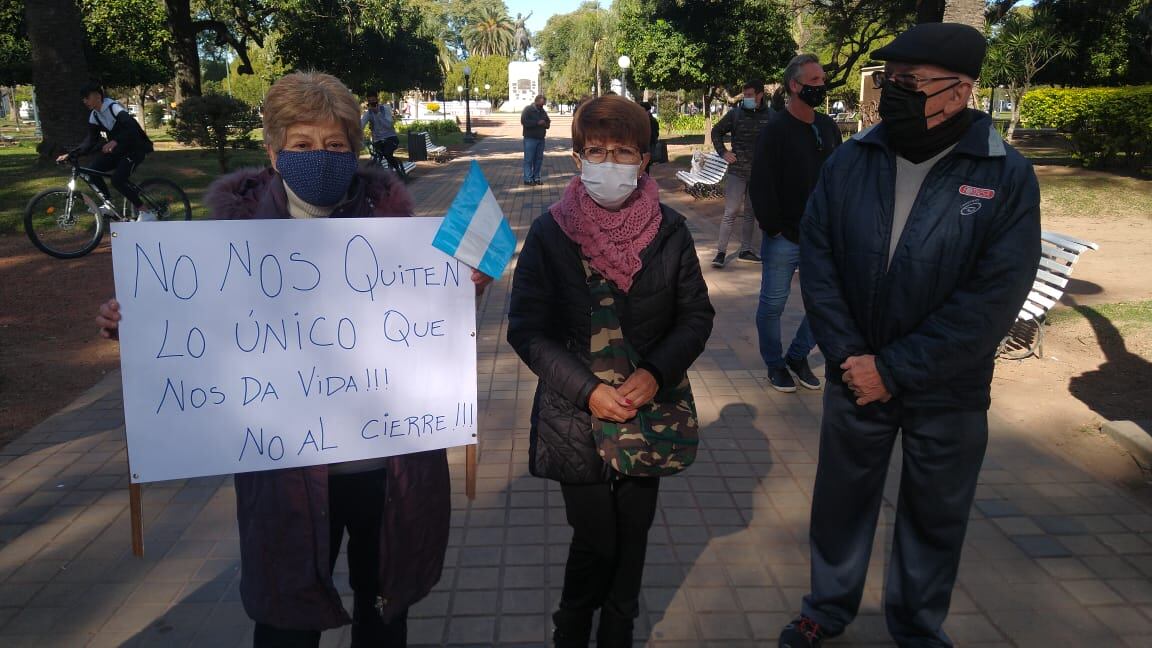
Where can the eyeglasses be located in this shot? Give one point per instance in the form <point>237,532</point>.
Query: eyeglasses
<point>620,154</point>
<point>373,104</point>
<point>880,78</point>
<point>819,140</point>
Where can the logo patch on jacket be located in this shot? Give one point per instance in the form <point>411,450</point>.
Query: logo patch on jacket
<point>970,207</point>
<point>977,192</point>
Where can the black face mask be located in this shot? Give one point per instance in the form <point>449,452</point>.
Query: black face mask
<point>903,112</point>
<point>813,95</point>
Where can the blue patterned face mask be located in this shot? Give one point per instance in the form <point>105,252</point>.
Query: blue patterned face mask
<point>319,178</point>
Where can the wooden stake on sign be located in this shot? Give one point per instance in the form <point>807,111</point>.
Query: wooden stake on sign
<point>470,472</point>
<point>136,508</point>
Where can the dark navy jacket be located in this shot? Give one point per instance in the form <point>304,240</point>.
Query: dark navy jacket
<point>964,264</point>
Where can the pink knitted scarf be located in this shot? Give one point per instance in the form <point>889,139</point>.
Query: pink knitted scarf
<point>612,240</point>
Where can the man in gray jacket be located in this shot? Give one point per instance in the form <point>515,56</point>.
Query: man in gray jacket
<point>743,123</point>
<point>535,122</point>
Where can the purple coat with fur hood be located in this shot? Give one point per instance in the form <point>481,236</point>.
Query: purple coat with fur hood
<point>283,514</point>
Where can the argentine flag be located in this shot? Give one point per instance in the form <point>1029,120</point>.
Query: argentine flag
<point>475,229</point>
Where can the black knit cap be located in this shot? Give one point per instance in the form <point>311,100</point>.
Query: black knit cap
<point>952,46</point>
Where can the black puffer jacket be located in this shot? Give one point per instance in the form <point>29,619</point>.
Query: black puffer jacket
<point>666,316</point>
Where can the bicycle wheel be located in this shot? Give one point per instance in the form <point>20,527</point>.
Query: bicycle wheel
<point>63,224</point>
<point>166,198</point>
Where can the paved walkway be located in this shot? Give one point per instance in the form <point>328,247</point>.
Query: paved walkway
<point>1055,556</point>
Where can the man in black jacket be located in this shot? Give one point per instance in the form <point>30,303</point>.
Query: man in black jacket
<point>786,163</point>
<point>535,122</point>
<point>742,123</point>
<point>124,150</point>
<point>917,249</point>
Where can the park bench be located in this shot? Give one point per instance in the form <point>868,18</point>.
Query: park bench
<point>703,178</point>
<point>8,140</point>
<point>846,122</point>
<point>435,151</point>
<point>1058,253</point>
<point>408,166</point>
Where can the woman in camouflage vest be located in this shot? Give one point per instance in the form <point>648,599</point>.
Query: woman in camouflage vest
<point>608,235</point>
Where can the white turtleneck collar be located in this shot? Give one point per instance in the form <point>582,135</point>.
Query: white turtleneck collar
<point>297,208</point>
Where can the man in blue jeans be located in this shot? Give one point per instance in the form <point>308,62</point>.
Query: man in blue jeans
<point>535,122</point>
<point>789,152</point>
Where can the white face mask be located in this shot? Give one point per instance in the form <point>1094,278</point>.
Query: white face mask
<point>608,183</point>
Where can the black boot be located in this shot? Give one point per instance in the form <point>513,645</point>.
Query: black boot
<point>571,628</point>
<point>615,631</point>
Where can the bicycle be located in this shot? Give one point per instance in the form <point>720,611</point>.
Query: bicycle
<point>68,222</point>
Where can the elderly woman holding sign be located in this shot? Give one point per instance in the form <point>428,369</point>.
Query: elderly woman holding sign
<point>609,309</point>
<point>292,521</point>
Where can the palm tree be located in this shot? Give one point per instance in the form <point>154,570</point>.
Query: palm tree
<point>489,33</point>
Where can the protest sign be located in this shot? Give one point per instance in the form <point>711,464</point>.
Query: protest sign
<point>265,344</point>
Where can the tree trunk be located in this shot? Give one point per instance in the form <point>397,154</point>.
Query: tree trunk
<point>965,12</point>
<point>185,55</point>
<point>59,68</point>
<point>708,120</point>
<point>1014,94</point>
<point>143,117</point>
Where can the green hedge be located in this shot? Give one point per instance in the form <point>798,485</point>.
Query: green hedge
<point>1107,126</point>
<point>435,126</point>
<point>680,123</point>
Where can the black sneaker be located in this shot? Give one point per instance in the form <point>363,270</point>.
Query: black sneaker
<point>801,633</point>
<point>748,256</point>
<point>719,259</point>
<point>781,380</point>
<point>803,372</point>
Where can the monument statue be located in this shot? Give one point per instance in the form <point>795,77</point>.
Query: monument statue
<point>521,41</point>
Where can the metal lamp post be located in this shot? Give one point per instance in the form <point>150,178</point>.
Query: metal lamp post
<point>468,136</point>
<point>488,96</point>
<point>459,93</point>
<point>625,63</point>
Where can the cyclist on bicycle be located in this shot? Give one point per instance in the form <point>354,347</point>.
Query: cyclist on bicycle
<point>126,146</point>
<point>385,140</point>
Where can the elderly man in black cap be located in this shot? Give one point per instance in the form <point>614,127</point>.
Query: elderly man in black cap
<point>918,248</point>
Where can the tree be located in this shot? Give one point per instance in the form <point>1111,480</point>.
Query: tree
<point>368,44</point>
<point>59,68</point>
<point>1115,41</point>
<point>15,51</point>
<point>127,43</point>
<point>215,121</point>
<point>489,33</point>
<point>1022,45</point>
<point>232,23</point>
<point>710,45</point>
<point>492,70</point>
<point>578,50</point>
<point>848,31</point>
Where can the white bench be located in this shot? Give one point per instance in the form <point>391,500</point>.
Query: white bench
<point>703,178</point>
<point>435,151</point>
<point>1058,253</point>
<point>379,160</point>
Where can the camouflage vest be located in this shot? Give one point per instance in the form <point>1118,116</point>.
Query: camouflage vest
<point>663,436</point>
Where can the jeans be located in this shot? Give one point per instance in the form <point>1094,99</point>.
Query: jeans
<point>781,258</point>
<point>533,158</point>
<point>355,502</point>
<point>736,204</point>
<point>610,525</point>
<point>942,451</point>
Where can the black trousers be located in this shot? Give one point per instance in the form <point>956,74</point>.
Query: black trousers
<point>387,148</point>
<point>610,525</point>
<point>356,503</point>
<point>121,166</point>
<point>942,450</point>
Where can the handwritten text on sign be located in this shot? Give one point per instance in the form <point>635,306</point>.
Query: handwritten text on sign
<point>256,345</point>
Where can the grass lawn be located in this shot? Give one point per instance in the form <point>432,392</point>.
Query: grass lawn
<point>1093,196</point>
<point>1137,314</point>
<point>192,169</point>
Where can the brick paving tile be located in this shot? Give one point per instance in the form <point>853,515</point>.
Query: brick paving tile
<point>1055,556</point>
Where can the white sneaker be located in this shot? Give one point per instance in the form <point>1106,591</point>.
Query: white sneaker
<point>145,215</point>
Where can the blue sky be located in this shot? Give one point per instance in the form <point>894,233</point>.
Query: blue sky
<point>543,10</point>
